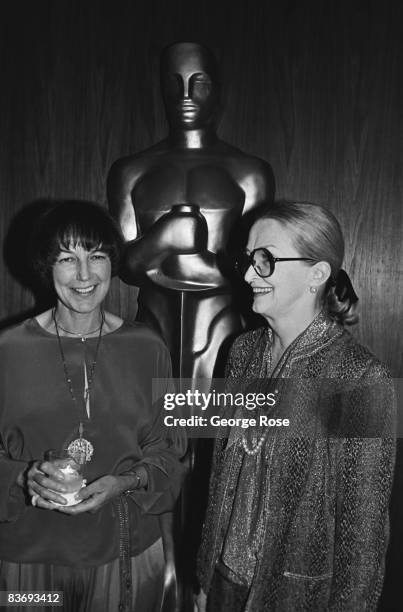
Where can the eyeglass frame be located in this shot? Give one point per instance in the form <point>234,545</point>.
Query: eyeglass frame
<point>272,260</point>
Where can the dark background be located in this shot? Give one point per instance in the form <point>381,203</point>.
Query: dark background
<point>315,88</point>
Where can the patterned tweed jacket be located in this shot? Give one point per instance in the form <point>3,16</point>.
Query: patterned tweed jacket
<point>303,524</point>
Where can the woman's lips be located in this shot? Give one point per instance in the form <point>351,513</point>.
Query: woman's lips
<point>261,290</point>
<point>84,290</point>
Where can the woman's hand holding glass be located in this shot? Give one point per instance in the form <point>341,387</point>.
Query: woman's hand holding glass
<point>46,485</point>
<point>51,488</point>
<point>99,492</point>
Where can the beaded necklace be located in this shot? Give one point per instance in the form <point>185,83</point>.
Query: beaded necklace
<point>81,450</point>
<point>318,327</point>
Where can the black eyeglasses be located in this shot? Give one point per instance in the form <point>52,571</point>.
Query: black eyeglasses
<point>263,262</point>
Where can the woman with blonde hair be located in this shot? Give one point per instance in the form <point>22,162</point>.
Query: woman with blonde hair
<point>298,517</point>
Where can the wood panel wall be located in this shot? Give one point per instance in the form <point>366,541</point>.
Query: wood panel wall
<point>315,88</point>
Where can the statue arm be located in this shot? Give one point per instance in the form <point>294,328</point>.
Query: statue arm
<point>141,253</point>
<point>153,254</point>
<point>172,252</point>
<point>120,184</point>
<point>258,184</point>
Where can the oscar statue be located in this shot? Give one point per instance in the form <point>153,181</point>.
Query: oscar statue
<point>177,203</point>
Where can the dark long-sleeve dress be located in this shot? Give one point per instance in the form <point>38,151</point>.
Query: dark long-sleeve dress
<point>126,429</point>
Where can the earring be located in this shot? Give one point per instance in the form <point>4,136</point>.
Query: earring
<point>313,289</point>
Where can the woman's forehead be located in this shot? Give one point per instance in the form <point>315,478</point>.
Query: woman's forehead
<point>269,233</point>
<point>71,244</point>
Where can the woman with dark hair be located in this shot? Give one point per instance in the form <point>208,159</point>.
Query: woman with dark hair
<point>86,467</point>
<point>298,514</point>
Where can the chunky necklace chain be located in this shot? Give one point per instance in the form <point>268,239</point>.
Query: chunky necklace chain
<point>67,376</point>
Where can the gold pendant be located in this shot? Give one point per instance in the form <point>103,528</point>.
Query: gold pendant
<point>80,450</point>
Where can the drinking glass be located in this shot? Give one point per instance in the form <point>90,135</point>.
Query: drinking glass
<point>72,475</point>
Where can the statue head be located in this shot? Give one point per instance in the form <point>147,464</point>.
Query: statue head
<point>189,85</point>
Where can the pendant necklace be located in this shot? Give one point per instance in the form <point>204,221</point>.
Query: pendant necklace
<point>80,449</point>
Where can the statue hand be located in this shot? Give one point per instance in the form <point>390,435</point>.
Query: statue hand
<point>192,272</point>
<point>181,231</point>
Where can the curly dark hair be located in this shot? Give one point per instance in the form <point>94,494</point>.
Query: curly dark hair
<point>75,222</point>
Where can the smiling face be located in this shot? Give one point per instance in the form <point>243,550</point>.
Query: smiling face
<point>81,278</point>
<point>189,86</point>
<point>287,291</point>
